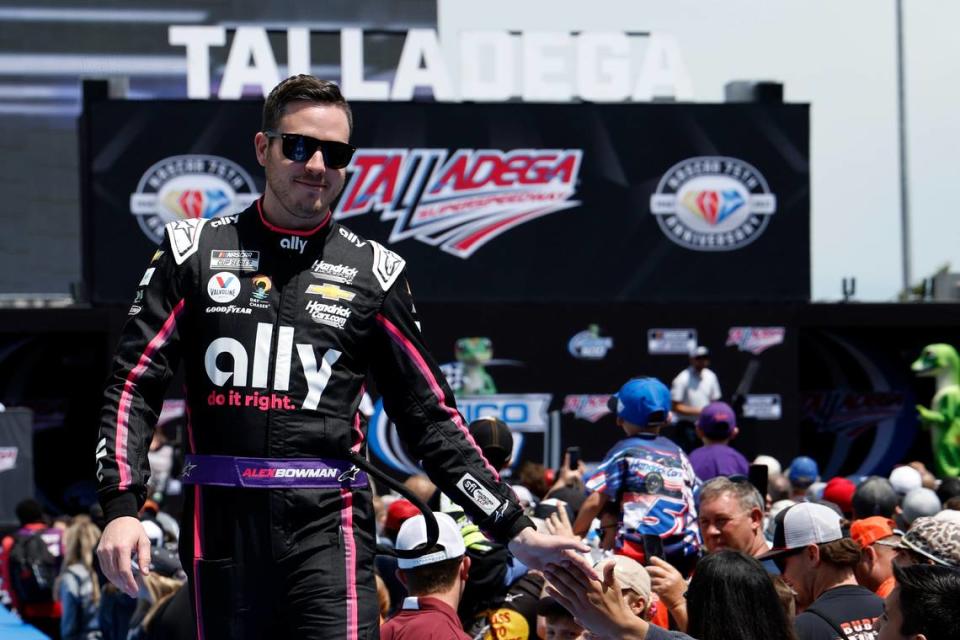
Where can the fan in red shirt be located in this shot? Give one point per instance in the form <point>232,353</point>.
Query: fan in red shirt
<point>434,580</point>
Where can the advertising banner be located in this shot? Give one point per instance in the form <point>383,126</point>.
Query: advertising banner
<point>16,461</point>
<point>491,202</point>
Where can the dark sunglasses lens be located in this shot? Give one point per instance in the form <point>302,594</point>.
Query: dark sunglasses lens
<point>336,154</point>
<point>299,148</point>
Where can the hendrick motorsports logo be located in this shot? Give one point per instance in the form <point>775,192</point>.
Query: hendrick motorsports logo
<point>190,186</point>
<point>713,203</point>
<point>462,201</point>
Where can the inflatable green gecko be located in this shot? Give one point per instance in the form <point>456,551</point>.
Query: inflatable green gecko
<point>474,353</point>
<point>941,361</point>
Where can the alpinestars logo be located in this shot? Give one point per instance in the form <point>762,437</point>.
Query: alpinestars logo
<point>462,201</point>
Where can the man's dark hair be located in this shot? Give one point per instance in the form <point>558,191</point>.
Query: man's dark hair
<point>731,595</point>
<point>929,600</point>
<point>29,511</point>
<point>302,88</point>
<point>844,552</point>
<point>431,578</point>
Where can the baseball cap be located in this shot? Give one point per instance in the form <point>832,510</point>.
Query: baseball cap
<point>413,533</point>
<point>949,515</point>
<point>775,509</point>
<point>717,420</point>
<point>866,531</point>
<point>875,496</point>
<point>165,562</point>
<point>153,531</point>
<point>630,574</point>
<point>918,503</point>
<point>803,471</point>
<point>700,352</point>
<point>524,495</point>
<point>550,607</point>
<point>948,488</point>
<point>397,513</point>
<point>905,479</point>
<point>938,540</point>
<point>640,398</point>
<point>772,463</point>
<point>840,492</point>
<point>493,437</point>
<point>803,524</point>
<point>548,507</point>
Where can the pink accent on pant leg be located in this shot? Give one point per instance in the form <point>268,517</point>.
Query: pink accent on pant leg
<point>350,562</point>
<point>197,556</point>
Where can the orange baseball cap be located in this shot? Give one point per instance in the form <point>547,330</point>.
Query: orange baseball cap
<point>868,530</point>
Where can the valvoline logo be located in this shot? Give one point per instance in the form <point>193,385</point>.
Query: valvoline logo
<point>462,201</point>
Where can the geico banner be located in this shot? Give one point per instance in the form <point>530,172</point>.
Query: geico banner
<point>494,202</point>
<point>523,413</point>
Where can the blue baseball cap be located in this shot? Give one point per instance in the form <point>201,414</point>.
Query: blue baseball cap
<point>803,471</point>
<point>641,397</point>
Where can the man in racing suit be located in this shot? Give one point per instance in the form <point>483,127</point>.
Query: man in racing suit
<point>278,314</point>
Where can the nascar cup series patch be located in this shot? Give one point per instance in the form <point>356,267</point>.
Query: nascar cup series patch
<point>190,186</point>
<point>713,203</point>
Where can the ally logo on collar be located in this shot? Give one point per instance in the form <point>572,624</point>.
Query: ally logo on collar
<point>294,243</point>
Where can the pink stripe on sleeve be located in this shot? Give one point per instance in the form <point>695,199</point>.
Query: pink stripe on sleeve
<point>126,397</point>
<point>421,365</point>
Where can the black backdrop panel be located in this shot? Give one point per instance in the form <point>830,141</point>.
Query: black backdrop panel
<point>561,209</point>
<point>531,349</point>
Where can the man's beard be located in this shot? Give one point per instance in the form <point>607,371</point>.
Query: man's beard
<point>292,205</point>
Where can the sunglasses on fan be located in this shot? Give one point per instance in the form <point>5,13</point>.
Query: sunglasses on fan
<point>300,148</point>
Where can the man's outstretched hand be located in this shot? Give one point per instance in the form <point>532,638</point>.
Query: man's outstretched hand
<point>597,605</point>
<point>538,550</point>
<point>121,538</point>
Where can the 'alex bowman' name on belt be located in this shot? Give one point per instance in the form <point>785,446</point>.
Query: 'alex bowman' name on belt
<point>253,472</point>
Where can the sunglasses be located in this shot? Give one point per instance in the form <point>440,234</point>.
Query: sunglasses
<point>300,148</point>
<point>781,561</point>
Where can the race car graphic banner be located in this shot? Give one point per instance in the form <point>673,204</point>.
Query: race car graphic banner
<point>489,202</point>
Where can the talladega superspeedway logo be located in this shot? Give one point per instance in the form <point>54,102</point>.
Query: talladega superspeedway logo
<point>190,186</point>
<point>713,203</point>
<point>462,201</point>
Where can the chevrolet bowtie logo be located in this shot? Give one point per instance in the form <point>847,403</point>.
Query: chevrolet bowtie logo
<point>187,469</point>
<point>349,475</point>
<point>329,291</point>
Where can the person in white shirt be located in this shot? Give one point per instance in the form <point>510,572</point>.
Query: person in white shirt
<point>695,387</point>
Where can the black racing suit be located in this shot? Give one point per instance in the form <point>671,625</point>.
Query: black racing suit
<point>278,330</point>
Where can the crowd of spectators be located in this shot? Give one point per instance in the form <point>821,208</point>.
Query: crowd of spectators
<point>684,547</point>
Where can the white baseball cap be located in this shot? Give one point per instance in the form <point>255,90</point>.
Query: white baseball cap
<point>413,533</point>
<point>803,524</point>
<point>772,463</point>
<point>905,479</point>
